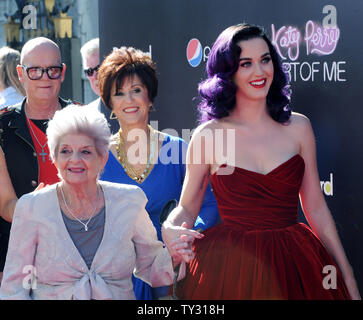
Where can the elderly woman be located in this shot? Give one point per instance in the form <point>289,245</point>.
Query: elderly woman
<point>139,154</point>
<point>84,237</point>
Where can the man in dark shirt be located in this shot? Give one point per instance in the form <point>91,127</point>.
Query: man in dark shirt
<point>22,129</point>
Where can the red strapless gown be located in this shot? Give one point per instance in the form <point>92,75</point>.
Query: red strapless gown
<point>260,250</point>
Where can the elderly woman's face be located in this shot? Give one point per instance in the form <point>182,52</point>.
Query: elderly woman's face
<point>130,103</point>
<point>77,159</point>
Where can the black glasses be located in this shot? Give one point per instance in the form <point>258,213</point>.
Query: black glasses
<point>35,73</point>
<point>90,71</point>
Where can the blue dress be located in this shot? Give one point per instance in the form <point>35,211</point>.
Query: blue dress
<point>163,183</point>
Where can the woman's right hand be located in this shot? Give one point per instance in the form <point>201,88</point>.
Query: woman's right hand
<point>179,240</point>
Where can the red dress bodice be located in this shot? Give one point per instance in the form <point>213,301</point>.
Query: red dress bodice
<point>260,250</point>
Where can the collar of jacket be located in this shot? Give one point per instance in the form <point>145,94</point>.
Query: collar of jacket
<point>18,120</point>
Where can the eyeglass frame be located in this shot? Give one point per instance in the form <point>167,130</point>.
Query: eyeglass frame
<point>90,71</point>
<point>46,70</point>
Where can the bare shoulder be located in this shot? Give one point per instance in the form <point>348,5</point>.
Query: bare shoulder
<point>299,119</point>
<point>299,123</point>
<point>300,128</point>
<point>208,126</point>
<point>199,151</point>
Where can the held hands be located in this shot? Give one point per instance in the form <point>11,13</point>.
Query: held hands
<point>179,241</point>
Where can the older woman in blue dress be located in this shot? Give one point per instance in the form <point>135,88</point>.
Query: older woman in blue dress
<point>139,154</point>
<point>82,238</point>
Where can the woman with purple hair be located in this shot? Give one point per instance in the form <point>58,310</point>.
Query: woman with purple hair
<point>260,250</point>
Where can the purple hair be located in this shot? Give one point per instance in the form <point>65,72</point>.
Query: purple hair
<point>218,92</point>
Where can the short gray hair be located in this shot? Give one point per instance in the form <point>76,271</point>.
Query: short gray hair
<point>75,119</point>
<point>89,48</point>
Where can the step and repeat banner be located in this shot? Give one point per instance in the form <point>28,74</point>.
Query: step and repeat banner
<point>320,43</point>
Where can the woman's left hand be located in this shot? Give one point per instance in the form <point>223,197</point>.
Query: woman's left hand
<point>179,241</point>
<point>181,250</point>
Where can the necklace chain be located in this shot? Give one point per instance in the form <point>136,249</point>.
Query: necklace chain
<point>42,153</point>
<point>128,168</point>
<point>73,215</point>
<point>36,138</point>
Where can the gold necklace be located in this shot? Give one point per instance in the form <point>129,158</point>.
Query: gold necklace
<point>134,174</point>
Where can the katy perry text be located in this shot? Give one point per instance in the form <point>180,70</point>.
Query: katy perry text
<point>321,41</point>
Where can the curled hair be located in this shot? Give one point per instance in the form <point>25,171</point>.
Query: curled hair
<point>124,63</point>
<point>9,59</point>
<point>75,119</point>
<point>218,91</point>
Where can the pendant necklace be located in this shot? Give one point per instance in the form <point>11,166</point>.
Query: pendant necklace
<point>42,153</point>
<point>69,210</point>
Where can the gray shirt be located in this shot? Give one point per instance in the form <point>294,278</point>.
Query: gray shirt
<point>87,242</point>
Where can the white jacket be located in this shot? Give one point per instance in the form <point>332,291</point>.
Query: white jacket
<point>40,245</point>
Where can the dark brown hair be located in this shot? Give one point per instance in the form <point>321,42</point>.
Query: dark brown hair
<point>124,63</point>
<point>218,93</point>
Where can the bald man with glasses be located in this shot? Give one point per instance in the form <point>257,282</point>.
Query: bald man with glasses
<point>24,151</point>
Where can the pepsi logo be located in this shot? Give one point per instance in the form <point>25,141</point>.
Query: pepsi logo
<point>194,52</point>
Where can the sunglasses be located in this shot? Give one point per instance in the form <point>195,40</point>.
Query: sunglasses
<point>90,71</point>
<point>35,73</point>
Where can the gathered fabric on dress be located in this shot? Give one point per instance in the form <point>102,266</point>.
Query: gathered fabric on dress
<point>260,250</point>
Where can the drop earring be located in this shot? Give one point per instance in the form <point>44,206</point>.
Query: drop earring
<point>112,116</point>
